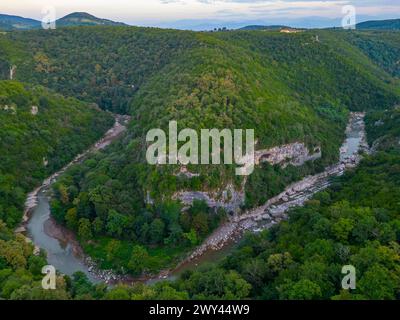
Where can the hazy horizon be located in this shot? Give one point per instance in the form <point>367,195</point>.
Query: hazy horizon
<point>208,14</point>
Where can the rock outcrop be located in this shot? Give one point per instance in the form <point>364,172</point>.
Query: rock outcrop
<point>231,199</point>
<point>296,194</point>
<point>228,198</point>
<point>294,153</point>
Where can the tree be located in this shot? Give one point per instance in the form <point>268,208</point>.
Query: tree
<point>379,283</point>
<point>175,234</point>
<point>139,260</point>
<point>81,286</point>
<point>164,291</point>
<point>85,229</point>
<point>304,289</point>
<point>13,253</point>
<point>98,225</point>
<point>63,194</point>
<point>254,271</point>
<point>120,292</point>
<point>277,262</point>
<point>156,231</point>
<point>342,229</point>
<point>117,223</point>
<point>112,249</point>
<point>200,223</point>
<point>216,283</point>
<point>71,218</point>
<point>191,236</point>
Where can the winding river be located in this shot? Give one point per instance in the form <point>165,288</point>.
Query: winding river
<point>225,238</point>
<point>65,254</point>
<point>62,249</point>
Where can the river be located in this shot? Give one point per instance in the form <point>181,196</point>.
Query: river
<point>65,254</point>
<point>225,238</point>
<point>62,249</point>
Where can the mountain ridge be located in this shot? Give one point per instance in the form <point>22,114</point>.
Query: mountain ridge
<point>390,24</point>
<point>85,19</point>
<point>14,22</point>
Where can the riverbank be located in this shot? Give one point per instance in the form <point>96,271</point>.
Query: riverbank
<point>66,254</point>
<point>296,194</point>
<point>60,244</point>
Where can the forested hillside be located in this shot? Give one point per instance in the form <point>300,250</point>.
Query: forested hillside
<point>84,19</point>
<point>40,131</point>
<point>9,22</point>
<point>381,47</point>
<point>106,65</point>
<point>288,87</point>
<point>391,24</point>
<point>356,221</point>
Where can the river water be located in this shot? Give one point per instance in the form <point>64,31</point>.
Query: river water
<point>225,239</point>
<point>64,253</point>
<point>60,254</point>
<point>62,249</point>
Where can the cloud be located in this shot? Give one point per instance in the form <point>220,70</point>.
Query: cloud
<point>234,12</point>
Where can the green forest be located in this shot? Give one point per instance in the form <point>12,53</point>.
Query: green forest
<point>288,87</point>
<point>41,131</point>
<point>355,221</point>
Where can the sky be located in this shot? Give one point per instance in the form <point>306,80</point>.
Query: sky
<point>207,14</point>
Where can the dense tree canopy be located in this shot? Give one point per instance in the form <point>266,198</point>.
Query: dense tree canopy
<point>288,87</point>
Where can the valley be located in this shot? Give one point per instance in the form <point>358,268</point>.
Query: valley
<point>77,102</point>
<point>64,252</point>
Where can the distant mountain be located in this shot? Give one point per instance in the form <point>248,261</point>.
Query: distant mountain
<point>8,23</point>
<point>393,24</point>
<point>85,19</point>
<point>260,27</point>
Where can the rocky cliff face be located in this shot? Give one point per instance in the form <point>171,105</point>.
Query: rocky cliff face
<point>228,198</point>
<point>294,153</point>
<point>231,199</point>
<point>296,194</point>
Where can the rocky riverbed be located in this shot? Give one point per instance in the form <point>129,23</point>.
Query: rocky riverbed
<point>231,199</point>
<point>68,257</point>
<point>296,194</point>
